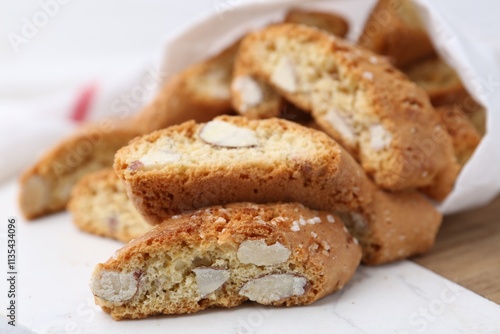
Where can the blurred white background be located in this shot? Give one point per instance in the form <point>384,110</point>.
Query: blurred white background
<point>52,51</point>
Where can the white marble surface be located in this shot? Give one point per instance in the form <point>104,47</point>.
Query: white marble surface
<point>56,261</point>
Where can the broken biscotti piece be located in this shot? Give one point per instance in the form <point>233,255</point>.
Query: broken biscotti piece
<point>200,92</point>
<point>232,159</point>
<point>394,226</point>
<point>438,79</point>
<point>223,256</point>
<point>254,98</point>
<point>358,98</point>
<point>329,22</point>
<point>46,186</point>
<point>465,136</point>
<point>99,205</point>
<point>395,30</point>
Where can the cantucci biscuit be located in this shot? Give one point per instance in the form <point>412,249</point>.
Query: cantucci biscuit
<point>46,186</point>
<point>358,98</point>
<point>233,159</point>
<point>223,256</point>
<point>99,205</point>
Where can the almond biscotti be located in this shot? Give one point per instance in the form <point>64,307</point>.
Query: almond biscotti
<point>394,29</point>
<point>45,187</point>
<point>99,205</point>
<point>438,79</point>
<point>358,98</point>
<point>223,256</point>
<point>233,159</point>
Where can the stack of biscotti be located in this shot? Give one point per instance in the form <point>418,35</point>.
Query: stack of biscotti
<point>331,162</point>
<point>236,162</point>
<point>224,255</point>
<point>363,172</point>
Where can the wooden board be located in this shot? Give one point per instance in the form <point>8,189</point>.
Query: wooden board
<point>467,251</point>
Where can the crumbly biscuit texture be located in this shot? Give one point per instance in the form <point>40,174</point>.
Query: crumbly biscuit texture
<point>46,186</point>
<point>358,98</point>
<point>395,30</point>
<point>223,256</point>
<point>99,205</point>
<point>233,159</point>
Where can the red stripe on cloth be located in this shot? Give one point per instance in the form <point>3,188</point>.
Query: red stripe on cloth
<point>82,105</point>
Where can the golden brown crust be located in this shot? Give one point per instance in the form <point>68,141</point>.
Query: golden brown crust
<point>320,251</point>
<point>393,29</point>
<point>440,81</point>
<point>465,136</point>
<point>329,22</point>
<point>200,93</point>
<point>46,186</point>
<point>364,92</point>
<point>99,205</point>
<point>326,179</point>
